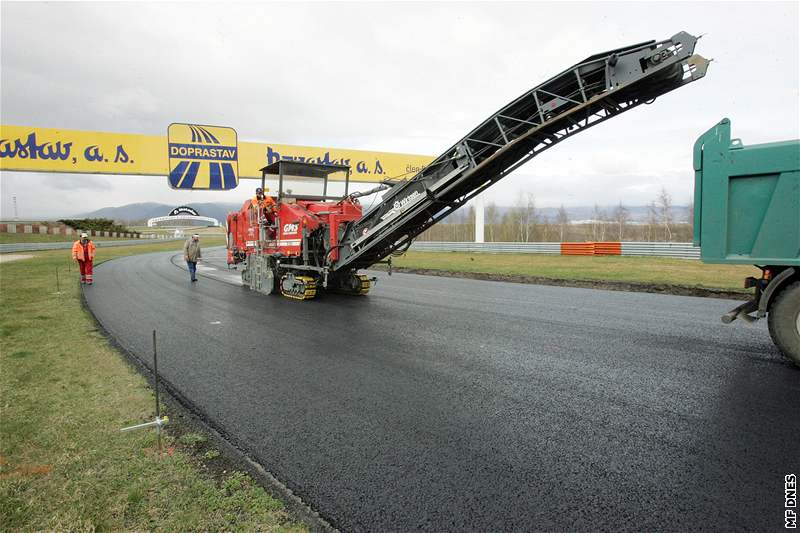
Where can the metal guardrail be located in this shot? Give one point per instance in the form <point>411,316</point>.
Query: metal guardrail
<point>489,247</point>
<point>39,246</point>
<point>684,250</point>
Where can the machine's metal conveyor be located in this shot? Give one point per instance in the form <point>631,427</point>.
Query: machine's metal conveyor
<point>596,89</point>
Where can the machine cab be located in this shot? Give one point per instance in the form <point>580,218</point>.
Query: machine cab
<point>307,182</point>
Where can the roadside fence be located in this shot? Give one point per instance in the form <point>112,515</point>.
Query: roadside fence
<point>60,229</point>
<point>683,250</point>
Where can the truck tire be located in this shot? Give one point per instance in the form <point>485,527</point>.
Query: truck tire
<point>784,322</point>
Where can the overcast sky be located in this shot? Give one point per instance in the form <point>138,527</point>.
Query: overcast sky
<point>398,77</point>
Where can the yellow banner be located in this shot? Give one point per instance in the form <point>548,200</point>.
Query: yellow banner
<point>25,148</point>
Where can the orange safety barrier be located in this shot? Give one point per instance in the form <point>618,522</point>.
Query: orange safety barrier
<point>591,248</point>
<point>608,248</point>
<point>577,248</point>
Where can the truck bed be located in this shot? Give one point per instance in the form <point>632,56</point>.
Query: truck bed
<point>747,200</point>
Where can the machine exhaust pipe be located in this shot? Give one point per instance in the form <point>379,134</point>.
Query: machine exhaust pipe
<point>379,188</point>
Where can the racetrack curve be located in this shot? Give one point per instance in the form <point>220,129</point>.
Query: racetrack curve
<point>451,404</point>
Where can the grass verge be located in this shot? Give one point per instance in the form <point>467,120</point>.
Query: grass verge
<point>631,271</point>
<point>64,465</point>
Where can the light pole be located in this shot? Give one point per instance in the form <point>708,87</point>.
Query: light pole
<point>479,218</point>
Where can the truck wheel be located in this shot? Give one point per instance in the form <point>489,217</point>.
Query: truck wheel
<point>784,322</point>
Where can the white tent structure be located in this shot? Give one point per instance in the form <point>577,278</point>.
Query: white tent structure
<point>168,221</point>
<point>182,216</point>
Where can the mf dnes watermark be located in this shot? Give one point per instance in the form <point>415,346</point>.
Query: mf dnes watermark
<point>790,501</point>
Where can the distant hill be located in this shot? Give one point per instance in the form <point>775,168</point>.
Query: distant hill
<point>132,214</point>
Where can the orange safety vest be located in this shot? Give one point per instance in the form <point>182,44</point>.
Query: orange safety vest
<point>77,250</point>
<point>265,203</point>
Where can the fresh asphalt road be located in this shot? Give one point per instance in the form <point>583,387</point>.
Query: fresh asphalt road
<point>453,404</point>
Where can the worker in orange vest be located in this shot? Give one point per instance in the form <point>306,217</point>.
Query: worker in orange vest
<point>83,253</point>
<point>261,200</point>
<point>265,205</point>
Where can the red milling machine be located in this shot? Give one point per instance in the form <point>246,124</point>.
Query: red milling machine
<point>312,239</point>
<point>288,244</point>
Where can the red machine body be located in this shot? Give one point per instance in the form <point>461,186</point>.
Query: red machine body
<point>287,221</point>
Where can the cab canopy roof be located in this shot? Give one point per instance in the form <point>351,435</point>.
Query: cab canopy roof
<point>303,169</point>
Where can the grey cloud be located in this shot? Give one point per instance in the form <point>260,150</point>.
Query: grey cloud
<point>78,182</point>
<point>405,77</point>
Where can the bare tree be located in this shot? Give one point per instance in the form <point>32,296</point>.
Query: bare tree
<point>470,224</point>
<point>599,221</point>
<point>525,216</point>
<point>545,225</point>
<point>508,229</point>
<point>562,219</point>
<point>652,220</point>
<point>604,220</point>
<point>621,216</point>
<point>491,219</point>
<point>664,207</point>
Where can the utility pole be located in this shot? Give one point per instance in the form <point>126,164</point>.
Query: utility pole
<point>479,218</point>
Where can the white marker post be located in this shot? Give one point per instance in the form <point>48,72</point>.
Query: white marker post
<point>58,284</point>
<point>159,421</point>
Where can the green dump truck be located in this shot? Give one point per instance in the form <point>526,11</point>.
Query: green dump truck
<point>747,211</point>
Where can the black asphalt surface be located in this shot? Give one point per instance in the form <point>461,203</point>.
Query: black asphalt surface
<point>464,405</point>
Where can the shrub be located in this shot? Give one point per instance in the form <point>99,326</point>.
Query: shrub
<point>96,224</point>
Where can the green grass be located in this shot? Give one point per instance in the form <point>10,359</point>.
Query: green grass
<point>65,393</point>
<point>657,270</point>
